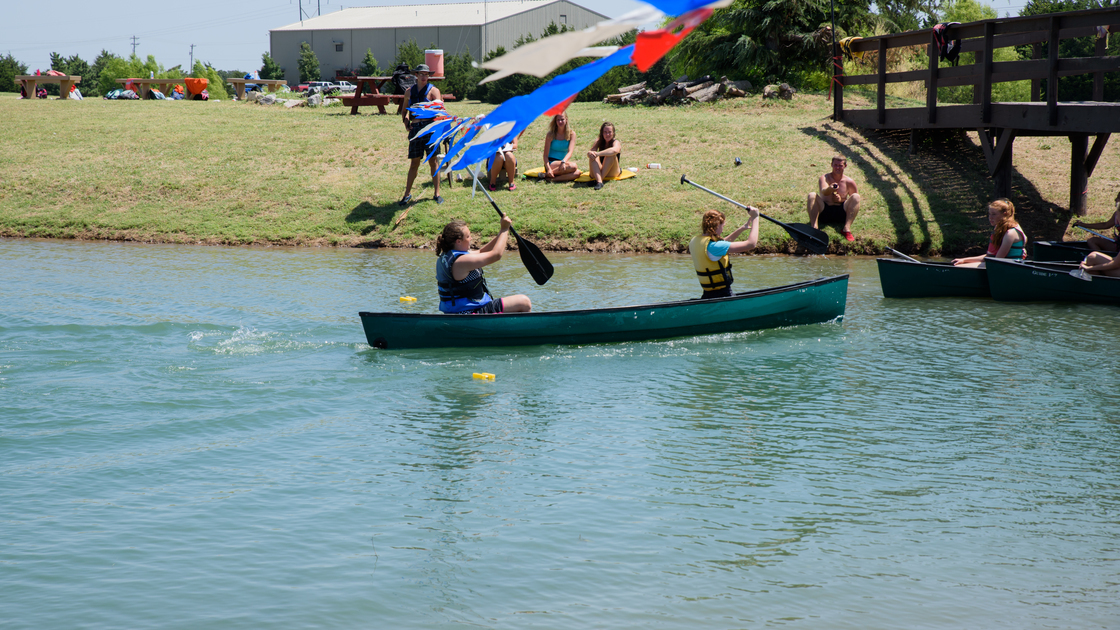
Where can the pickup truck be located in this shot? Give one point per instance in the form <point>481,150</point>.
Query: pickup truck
<point>325,87</point>
<point>346,86</point>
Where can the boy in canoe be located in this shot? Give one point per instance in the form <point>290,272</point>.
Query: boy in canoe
<point>1099,244</point>
<point>711,254</point>
<point>462,289</point>
<point>836,199</point>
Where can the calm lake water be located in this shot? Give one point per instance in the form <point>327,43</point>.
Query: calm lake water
<point>200,437</point>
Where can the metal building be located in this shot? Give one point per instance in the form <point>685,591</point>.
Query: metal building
<point>340,39</point>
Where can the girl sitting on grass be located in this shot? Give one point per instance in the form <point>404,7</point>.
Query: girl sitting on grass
<point>604,155</point>
<point>558,146</point>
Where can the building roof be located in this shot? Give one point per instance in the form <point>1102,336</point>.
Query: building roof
<point>454,14</point>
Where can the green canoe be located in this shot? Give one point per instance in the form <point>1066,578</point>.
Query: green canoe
<point>907,279</point>
<point>1060,251</point>
<point>1013,281</point>
<point>811,302</point>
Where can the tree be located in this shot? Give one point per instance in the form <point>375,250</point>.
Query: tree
<point>769,39</point>
<point>369,66</point>
<point>73,65</point>
<point>93,83</point>
<point>462,77</point>
<point>409,53</point>
<point>308,64</point>
<point>269,68</point>
<point>9,70</point>
<point>215,85</point>
<point>1079,87</point>
<point>118,68</point>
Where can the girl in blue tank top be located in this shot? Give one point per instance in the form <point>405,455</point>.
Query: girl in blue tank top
<point>558,145</point>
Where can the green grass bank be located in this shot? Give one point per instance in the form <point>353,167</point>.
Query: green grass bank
<point>240,173</point>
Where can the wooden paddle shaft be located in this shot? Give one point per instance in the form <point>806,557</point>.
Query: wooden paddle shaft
<point>785,226</point>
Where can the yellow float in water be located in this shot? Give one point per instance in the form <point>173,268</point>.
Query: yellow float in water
<point>484,376</point>
<point>408,298</point>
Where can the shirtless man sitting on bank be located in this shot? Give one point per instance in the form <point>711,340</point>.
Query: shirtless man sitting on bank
<point>836,200</point>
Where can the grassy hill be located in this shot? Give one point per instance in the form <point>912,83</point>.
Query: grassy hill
<point>241,173</point>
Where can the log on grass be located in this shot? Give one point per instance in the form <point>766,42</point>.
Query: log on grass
<point>709,94</point>
<point>631,88</point>
<point>692,89</point>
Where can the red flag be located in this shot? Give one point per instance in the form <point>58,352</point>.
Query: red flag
<point>560,107</point>
<point>652,45</point>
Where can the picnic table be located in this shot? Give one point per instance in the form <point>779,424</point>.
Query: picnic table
<point>65,82</point>
<point>374,96</point>
<point>239,85</point>
<point>146,85</point>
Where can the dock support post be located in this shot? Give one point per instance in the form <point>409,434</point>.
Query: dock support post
<point>1078,175</point>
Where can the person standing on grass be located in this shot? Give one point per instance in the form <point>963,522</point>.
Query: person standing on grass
<point>420,93</point>
<point>559,143</point>
<point>604,155</point>
<point>711,254</point>
<point>836,199</point>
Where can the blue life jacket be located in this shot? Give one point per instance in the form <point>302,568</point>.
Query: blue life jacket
<point>459,296</point>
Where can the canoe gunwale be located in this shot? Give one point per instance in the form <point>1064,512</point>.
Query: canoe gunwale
<point>817,301</point>
<point>609,309</point>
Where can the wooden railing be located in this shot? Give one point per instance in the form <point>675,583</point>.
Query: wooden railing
<point>982,38</point>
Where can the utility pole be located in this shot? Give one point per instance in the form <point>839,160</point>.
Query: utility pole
<point>192,60</point>
<point>135,43</point>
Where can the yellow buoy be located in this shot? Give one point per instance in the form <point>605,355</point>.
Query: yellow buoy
<point>485,376</point>
<point>408,298</point>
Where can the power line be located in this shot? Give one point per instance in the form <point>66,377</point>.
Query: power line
<point>135,43</point>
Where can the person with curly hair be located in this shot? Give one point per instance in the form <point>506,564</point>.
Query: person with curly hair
<point>711,253</point>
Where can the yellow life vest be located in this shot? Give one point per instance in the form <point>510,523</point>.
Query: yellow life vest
<point>714,276</point>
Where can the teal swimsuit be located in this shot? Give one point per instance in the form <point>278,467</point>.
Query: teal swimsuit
<point>557,150</point>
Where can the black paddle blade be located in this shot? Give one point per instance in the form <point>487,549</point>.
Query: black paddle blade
<point>534,261</point>
<point>808,237</point>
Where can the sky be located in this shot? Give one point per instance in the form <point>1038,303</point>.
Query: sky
<point>228,35</point>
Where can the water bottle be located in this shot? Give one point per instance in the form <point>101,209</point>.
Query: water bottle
<point>653,165</point>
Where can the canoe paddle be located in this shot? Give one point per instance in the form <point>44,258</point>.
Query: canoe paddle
<point>1081,274</point>
<point>1082,227</point>
<point>901,255</point>
<point>531,255</point>
<point>811,239</point>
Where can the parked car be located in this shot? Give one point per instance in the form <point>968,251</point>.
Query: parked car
<point>346,86</point>
<point>324,87</point>
<point>302,87</point>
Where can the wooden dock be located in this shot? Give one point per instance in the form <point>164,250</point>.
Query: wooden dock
<point>998,124</point>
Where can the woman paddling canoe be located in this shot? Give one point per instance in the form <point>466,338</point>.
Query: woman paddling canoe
<point>462,289</point>
<point>1007,241</point>
<point>710,253</point>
